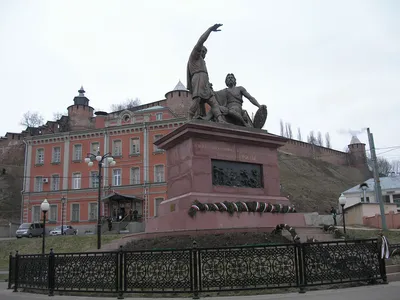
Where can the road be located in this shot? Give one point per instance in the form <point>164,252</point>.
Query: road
<point>387,292</point>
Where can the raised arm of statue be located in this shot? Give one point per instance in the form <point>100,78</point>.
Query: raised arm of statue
<point>198,47</point>
<point>250,97</point>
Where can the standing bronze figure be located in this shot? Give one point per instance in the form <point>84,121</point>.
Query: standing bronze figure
<point>198,82</point>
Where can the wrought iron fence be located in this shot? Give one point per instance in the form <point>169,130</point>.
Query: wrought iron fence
<point>198,270</point>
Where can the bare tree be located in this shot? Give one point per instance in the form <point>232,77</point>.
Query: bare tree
<point>32,119</point>
<point>299,134</point>
<point>130,103</point>
<point>328,140</point>
<point>320,141</point>
<point>395,164</point>
<point>282,128</point>
<point>57,116</point>
<point>384,166</point>
<point>288,128</point>
<point>311,138</point>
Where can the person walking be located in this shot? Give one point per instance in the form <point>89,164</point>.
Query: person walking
<point>333,212</point>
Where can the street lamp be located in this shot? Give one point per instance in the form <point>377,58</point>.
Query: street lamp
<point>364,187</point>
<point>89,160</point>
<point>45,206</point>
<point>62,214</point>
<point>342,202</point>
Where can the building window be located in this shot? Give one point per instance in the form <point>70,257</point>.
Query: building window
<point>396,199</point>
<point>75,212</point>
<point>135,175</point>
<point>77,152</point>
<point>40,156</point>
<point>116,177</point>
<point>158,116</point>
<point>94,179</point>
<point>76,181</point>
<point>386,199</point>
<point>35,214</point>
<point>135,146</point>
<point>156,205</point>
<point>95,147</point>
<point>92,211</point>
<point>156,138</point>
<point>117,148</point>
<point>159,173</point>
<point>55,182</point>
<point>53,213</point>
<point>56,155</point>
<point>38,184</point>
<point>366,199</point>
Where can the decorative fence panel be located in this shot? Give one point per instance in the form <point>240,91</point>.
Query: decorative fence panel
<point>248,268</point>
<point>86,272</point>
<point>158,271</point>
<point>201,270</point>
<point>33,271</point>
<point>334,262</point>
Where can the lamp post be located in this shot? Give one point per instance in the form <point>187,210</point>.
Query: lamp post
<point>89,160</point>
<point>342,202</point>
<point>45,206</point>
<point>62,214</point>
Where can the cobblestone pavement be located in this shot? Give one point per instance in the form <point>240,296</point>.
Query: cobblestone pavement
<point>386,292</point>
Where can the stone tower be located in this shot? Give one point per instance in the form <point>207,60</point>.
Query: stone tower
<point>179,100</point>
<point>80,113</point>
<point>357,155</point>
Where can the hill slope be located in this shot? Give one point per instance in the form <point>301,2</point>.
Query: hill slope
<point>314,185</point>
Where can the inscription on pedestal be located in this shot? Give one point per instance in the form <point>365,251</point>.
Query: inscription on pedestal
<point>236,174</point>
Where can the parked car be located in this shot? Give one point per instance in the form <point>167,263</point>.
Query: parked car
<point>68,230</point>
<point>29,230</point>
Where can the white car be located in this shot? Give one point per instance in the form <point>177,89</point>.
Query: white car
<point>68,230</point>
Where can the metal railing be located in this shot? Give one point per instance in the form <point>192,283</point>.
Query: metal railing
<point>199,270</point>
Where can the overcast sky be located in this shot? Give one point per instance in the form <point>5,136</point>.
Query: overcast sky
<point>326,66</point>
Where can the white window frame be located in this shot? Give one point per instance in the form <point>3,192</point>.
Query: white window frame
<point>156,137</point>
<point>56,212</point>
<point>36,211</point>
<point>56,156</point>
<point>40,156</point>
<point>53,181</point>
<point>156,180</point>
<point>39,184</point>
<point>90,218</point>
<point>76,181</point>
<point>137,146</point>
<point>94,149</point>
<point>92,185</point>
<point>117,178</point>
<point>159,116</point>
<point>137,181</point>
<point>72,212</point>
<point>117,151</point>
<point>78,150</point>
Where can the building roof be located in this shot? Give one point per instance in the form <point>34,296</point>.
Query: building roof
<point>387,183</point>
<point>180,87</point>
<point>355,140</point>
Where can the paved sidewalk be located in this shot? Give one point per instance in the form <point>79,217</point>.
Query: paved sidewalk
<point>386,292</point>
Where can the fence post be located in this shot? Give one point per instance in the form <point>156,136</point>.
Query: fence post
<point>10,278</point>
<point>195,274</point>
<point>16,272</point>
<point>51,273</point>
<point>121,273</point>
<point>301,258</point>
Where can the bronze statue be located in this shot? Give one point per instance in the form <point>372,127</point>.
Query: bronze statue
<point>198,82</point>
<point>230,100</point>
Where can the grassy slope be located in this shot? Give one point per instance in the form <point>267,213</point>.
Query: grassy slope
<point>59,244</point>
<point>315,185</point>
